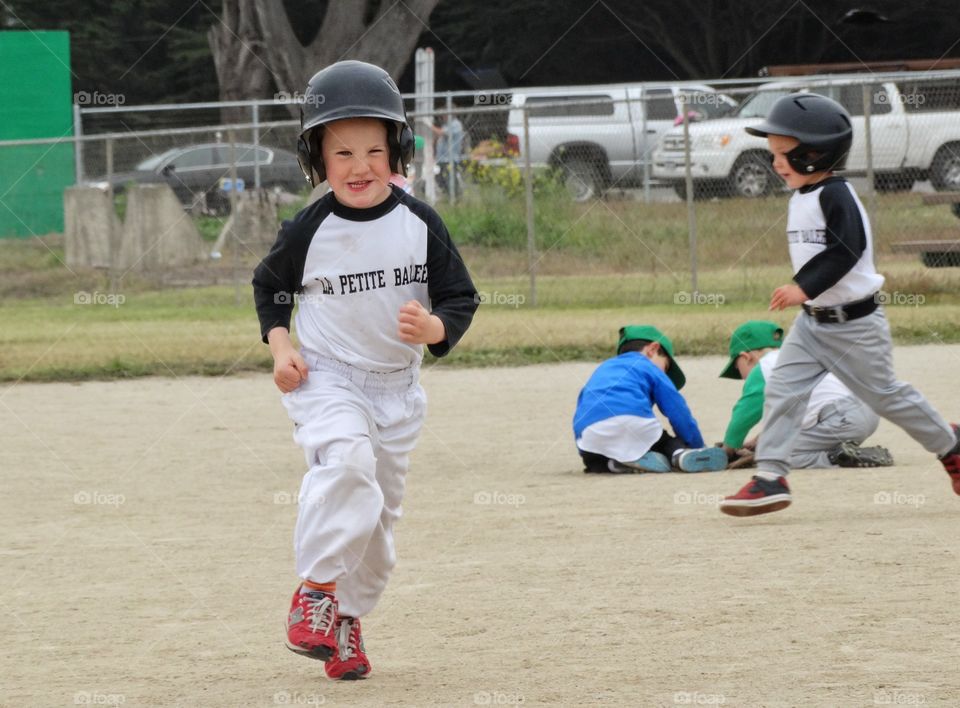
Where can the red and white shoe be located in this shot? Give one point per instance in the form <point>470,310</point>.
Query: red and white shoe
<point>758,496</point>
<point>311,623</point>
<point>350,662</point>
<point>951,462</point>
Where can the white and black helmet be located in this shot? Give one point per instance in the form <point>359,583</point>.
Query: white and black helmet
<point>821,125</point>
<point>351,89</point>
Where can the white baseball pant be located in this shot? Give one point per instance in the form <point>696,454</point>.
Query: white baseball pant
<point>357,430</point>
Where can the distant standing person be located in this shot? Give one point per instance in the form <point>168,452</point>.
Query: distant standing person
<point>449,136</point>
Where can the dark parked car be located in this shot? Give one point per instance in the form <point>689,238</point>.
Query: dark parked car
<point>194,172</point>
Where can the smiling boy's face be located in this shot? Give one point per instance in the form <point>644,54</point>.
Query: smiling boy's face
<point>780,145</point>
<point>357,160</point>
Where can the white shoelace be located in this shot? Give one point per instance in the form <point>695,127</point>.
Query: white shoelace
<point>344,632</point>
<point>321,613</point>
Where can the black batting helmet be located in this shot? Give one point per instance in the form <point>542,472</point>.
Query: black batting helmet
<point>351,89</point>
<point>821,125</point>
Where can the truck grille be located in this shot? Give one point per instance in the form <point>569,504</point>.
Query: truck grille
<point>674,142</point>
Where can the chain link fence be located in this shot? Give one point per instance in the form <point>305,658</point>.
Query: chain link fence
<point>600,195</point>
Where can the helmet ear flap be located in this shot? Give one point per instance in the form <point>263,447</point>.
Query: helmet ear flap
<point>401,144</point>
<point>310,157</point>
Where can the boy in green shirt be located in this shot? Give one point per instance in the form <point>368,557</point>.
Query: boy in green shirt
<point>835,423</point>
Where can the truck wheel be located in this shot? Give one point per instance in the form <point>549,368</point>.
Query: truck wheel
<point>945,170</point>
<point>752,177</point>
<point>582,180</point>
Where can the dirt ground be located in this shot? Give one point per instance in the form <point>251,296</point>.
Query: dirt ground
<point>146,558</point>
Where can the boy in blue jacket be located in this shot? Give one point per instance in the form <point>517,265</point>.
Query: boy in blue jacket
<point>614,425</point>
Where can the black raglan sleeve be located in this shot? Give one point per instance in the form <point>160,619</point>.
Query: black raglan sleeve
<point>846,241</point>
<point>453,297</point>
<point>278,277</point>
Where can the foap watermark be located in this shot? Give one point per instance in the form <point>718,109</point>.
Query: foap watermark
<point>314,99</point>
<point>82,297</point>
<point>95,698</point>
<point>284,498</point>
<point>498,698</point>
<point>899,299</point>
<point>492,98</point>
<point>684,497</point>
<point>496,498</point>
<point>498,298</point>
<point>95,498</point>
<point>896,697</point>
<point>86,98</point>
<point>882,98</point>
<point>695,698</point>
<point>698,298</point>
<point>704,99</point>
<point>899,499</point>
<point>285,298</point>
<point>296,698</point>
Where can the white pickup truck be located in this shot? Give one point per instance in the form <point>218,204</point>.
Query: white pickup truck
<point>602,136</point>
<point>914,133</point>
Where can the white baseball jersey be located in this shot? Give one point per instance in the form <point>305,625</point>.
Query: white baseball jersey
<point>831,244</point>
<point>350,270</point>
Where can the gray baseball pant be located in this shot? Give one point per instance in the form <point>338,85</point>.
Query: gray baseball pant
<point>858,352</point>
<point>846,419</point>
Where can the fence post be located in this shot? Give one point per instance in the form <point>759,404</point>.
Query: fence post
<point>109,149</point>
<point>528,191</point>
<point>691,213</point>
<point>233,215</point>
<point>646,151</point>
<point>453,164</point>
<point>868,145</point>
<point>77,145</point>
<point>256,145</point>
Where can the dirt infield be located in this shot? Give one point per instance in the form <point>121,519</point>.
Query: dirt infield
<point>146,558</point>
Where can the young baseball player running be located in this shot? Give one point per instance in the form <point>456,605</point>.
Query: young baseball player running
<point>841,329</point>
<point>376,276</point>
<point>835,422</point>
<point>614,424</point>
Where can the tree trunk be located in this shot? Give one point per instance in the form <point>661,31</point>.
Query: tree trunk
<point>387,40</point>
<point>236,42</point>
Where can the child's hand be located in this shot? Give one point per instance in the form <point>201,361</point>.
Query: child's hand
<point>289,368</point>
<point>417,326</point>
<point>787,296</point>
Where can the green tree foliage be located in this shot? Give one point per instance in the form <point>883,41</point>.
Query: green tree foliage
<point>148,51</point>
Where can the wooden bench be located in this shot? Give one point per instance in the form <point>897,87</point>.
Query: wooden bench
<point>941,198</point>
<point>951,198</point>
<point>935,254</point>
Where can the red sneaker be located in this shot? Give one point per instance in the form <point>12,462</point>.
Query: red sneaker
<point>350,662</point>
<point>758,496</point>
<point>951,463</point>
<point>310,625</point>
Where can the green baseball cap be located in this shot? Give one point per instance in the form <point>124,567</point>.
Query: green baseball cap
<point>652,334</point>
<point>755,334</point>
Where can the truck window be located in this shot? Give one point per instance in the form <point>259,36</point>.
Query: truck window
<point>661,106</point>
<point>561,106</point>
<point>851,98</point>
<point>926,96</point>
<point>708,105</point>
<point>760,103</point>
